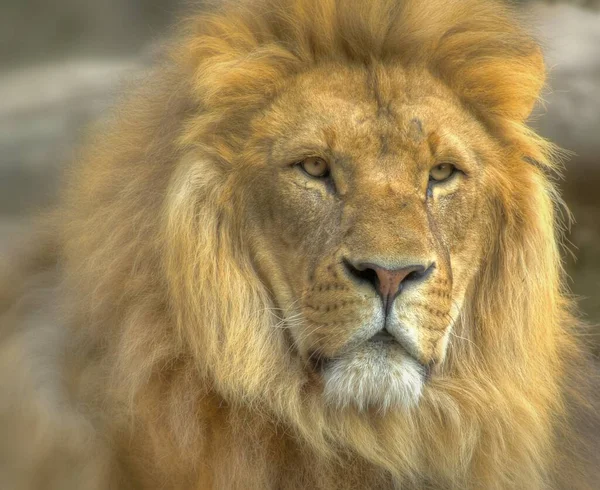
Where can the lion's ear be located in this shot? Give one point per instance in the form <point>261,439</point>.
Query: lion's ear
<point>497,73</point>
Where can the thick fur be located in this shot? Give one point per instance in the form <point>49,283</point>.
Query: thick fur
<point>145,344</point>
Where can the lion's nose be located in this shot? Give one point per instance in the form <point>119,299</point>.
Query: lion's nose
<point>388,282</point>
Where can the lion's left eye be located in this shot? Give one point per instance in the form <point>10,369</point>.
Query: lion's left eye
<point>442,172</point>
<point>315,167</point>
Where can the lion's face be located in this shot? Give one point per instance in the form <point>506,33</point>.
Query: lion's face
<point>365,225</point>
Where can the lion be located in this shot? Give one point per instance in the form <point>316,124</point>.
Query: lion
<point>319,247</point>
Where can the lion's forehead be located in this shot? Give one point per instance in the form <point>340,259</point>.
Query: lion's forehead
<point>359,123</point>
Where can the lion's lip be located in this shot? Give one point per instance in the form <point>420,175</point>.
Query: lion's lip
<point>318,361</point>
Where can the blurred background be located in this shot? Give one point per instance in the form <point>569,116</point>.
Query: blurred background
<point>63,61</point>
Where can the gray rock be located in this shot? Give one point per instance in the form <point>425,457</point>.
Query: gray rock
<point>43,112</point>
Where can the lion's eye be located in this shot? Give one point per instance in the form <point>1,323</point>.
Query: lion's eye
<point>315,167</point>
<point>442,172</point>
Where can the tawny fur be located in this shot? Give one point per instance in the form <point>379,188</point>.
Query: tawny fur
<point>141,349</point>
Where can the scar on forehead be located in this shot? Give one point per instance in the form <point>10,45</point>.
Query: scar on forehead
<point>415,129</point>
<point>417,133</point>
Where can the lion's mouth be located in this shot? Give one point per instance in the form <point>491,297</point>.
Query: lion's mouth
<point>318,362</point>
<point>385,337</point>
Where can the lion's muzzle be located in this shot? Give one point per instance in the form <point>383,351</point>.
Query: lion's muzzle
<point>389,282</point>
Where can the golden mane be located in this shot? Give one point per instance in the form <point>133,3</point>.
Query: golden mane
<point>175,326</point>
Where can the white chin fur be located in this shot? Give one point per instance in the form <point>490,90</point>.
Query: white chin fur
<point>377,375</point>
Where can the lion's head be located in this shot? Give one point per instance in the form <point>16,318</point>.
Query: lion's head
<point>364,184</point>
<point>335,209</point>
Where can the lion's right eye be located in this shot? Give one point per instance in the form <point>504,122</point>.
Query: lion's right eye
<point>315,167</point>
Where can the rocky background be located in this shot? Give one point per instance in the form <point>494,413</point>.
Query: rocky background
<point>62,62</point>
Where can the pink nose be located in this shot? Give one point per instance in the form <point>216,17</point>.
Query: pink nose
<point>388,282</point>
